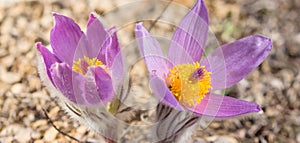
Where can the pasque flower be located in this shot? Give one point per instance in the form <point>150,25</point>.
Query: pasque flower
<point>183,82</point>
<point>80,65</point>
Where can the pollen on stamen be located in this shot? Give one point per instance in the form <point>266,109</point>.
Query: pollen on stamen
<point>189,83</point>
<point>81,65</point>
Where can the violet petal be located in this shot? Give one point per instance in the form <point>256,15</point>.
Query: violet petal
<point>62,78</point>
<point>159,88</point>
<point>117,69</point>
<point>64,38</point>
<point>48,57</point>
<point>82,48</point>
<point>96,35</point>
<point>104,84</point>
<point>92,89</point>
<point>110,48</point>
<point>224,107</point>
<point>190,35</point>
<point>151,51</point>
<point>234,61</point>
<point>85,88</point>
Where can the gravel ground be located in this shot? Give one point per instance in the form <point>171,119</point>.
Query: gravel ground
<point>275,85</point>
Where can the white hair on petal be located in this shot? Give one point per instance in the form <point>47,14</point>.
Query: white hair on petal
<point>43,74</point>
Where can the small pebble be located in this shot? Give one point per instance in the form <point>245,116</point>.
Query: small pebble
<point>10,77</point>
<point>17,88</point>
<point>38,123</point>
<point>23,135</point>
<point>50,135</point>
<point>226,139</point>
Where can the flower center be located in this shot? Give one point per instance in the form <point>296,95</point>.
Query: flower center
<point>189,83</point>
<point>81,65</point>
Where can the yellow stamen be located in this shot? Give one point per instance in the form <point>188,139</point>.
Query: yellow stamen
<point>81,65</point>
<point>189,83</point>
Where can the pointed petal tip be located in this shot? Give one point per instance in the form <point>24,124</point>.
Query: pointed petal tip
<point>259,110</point>
<point>255,108</point>
<point>140,30</point>
<point>56,16</point>
<point>262,37</point>
<point>263,42</point>
<point>265,39</point>
<point>60,18</point>
<point>38,44</point>
<point>139,26</point>
<point>92,15</point>
<point>201,9</point>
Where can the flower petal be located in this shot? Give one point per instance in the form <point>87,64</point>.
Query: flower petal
<point>62,78</point>
<point>90,92</point>
<point>104,84</point>
<point>179,57</point>
<point>82,48</point>
<point>110,48</point>
<point>48,57</point>
<point>64,38</point>
<point>92,89</point>
<point>190,35</point>
<point>160,89</point>
<point>117,69</point>
<point>223,106</point>
<point>96,35</point>
<point>150,51</point>
<point>232,62</point>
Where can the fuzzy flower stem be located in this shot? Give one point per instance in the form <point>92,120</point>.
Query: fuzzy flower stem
<point>173,125</point>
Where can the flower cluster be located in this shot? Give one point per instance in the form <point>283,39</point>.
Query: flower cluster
<point>183,82</point>
<point>81,67</point>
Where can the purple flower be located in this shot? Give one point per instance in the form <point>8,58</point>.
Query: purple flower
<point>180,80</point>
<point>80,65</point>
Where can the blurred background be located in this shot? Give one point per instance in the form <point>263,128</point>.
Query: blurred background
<point>275,85</point>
